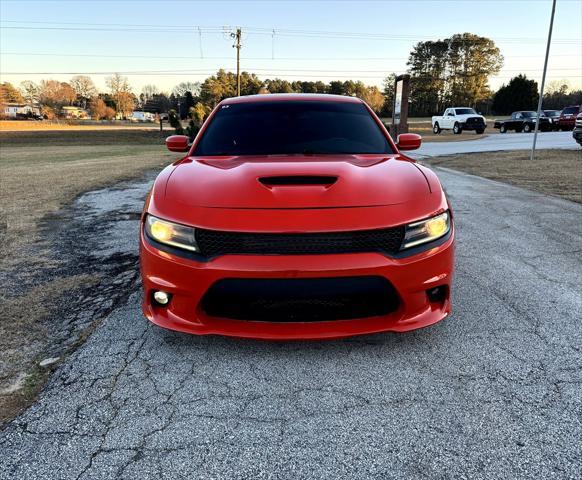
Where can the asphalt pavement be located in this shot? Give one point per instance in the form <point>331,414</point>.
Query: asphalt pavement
<point>494,391</point>
<point>498,142</point>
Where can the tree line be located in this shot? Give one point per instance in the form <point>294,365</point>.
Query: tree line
<point>451,71</point>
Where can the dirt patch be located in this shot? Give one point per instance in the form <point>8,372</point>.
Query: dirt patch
<point>554,172</point>
<point>53,286</point>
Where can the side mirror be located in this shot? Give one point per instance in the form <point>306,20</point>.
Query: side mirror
<point>178,143</point>
<point>408,141</point>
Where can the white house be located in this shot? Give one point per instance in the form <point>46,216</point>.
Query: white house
<point>14,110</point>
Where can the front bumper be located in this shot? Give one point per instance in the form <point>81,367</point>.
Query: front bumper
<point>473,126</point>
<point>577,134</point>
<point>566,124</point>
<point>188,281</point>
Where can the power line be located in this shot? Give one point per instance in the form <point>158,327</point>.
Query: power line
<point>189,29</point>
<point>189,57</point>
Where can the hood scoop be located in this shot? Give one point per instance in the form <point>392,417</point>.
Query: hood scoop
<point>298,180</point>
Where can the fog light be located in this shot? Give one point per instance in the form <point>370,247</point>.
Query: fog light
<point>161,297</point>
<point>437,294</point>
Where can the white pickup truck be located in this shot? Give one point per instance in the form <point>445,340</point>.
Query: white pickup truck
<point>458,119</point>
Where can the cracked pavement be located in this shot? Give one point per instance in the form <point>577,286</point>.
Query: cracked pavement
<point>494,391</point>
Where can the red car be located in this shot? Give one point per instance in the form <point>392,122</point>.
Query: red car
<point>296,217</point>
<point>568,118</point>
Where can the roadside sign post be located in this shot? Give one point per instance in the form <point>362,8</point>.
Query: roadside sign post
<point>541,99</point>
<point>400,108</point>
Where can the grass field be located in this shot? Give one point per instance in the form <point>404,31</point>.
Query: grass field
<point>554,172</point>
<point>43,170</point>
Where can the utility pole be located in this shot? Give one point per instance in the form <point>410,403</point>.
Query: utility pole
<point>533,148</point>
<point>237,36</point>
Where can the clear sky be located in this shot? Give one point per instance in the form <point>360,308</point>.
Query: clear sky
<point>41,39</point>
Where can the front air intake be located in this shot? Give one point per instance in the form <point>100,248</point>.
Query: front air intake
<point>300,299</point>
<point>298,180</point>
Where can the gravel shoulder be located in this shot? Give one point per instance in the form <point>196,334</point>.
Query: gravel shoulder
<point>494,391</point>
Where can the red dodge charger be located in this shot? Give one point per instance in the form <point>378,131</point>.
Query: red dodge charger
<point>296,217</point>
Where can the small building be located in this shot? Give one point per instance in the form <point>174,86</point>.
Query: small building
<point>74,112</point>
<point>19,110</point>
<point>139,116</point>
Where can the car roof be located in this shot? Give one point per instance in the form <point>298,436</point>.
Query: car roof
<point>282,97</point>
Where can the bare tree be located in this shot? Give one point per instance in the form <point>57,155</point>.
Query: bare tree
<point>192,87</point>
<point>84,88</point>
<point>121,93</point>
<point>30,91</point>
<point>56,94</point>
<point>148,92</point>
<point>98,108</point>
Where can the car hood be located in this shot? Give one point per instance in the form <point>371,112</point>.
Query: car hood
<point>296,181</point>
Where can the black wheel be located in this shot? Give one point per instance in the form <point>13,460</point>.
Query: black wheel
<point>457,130</point>
<point>527,128</point>
<point>502,129</point>
<point>436,129</point>
<point>479,131</point>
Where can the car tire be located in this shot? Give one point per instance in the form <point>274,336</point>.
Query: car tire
<point>436,129</point>
<point>502,129</point>
<point>479,131</point>
<point>457,130</point>
<point>527,128</point>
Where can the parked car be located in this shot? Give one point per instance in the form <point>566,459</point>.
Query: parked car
<point>524,121</point>
<point>568,117</point>
<point>552,116</point>
<point>577,132</point>
<point>458,119</point>
<point>296,216</point>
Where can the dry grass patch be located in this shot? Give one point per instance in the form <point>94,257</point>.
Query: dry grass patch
<point>39,174</point>
<point>554,172</point>
<point>68,125</point>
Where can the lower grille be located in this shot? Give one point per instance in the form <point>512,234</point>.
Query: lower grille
<point>213,243</point>
<point>300,300</point>
<point>474,121</point>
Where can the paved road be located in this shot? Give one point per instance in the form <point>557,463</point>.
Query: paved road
<point>492,143</point>
<point>495,391</point>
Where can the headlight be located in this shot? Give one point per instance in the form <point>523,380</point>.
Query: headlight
<point>426,230</point>
<point>170,233</point>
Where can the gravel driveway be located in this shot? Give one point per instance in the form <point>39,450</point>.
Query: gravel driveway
<point>494,391</point>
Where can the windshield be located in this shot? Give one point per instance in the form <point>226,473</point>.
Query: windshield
<point>552,113</point>
<point>465,111</point>
<point>529,114</point>
<point>569,110</point>
<point>292,127</point>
